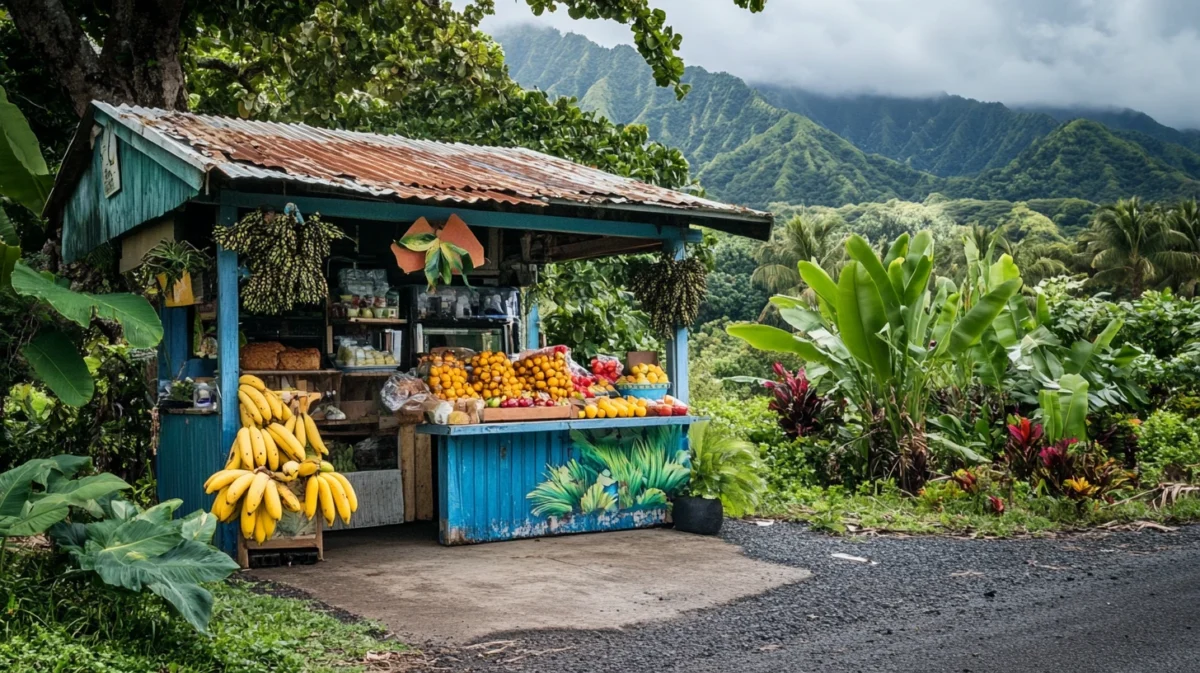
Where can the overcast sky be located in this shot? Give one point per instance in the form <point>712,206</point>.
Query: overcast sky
<point>1142,54</point>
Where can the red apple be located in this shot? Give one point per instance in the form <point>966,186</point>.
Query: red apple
<point>680,410</point>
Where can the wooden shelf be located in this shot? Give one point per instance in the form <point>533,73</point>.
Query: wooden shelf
<point>365,420</point>
<point>369,321</point>
<point>378,374</point>
<point>290,372</point>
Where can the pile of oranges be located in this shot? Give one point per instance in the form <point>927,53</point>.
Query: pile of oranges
<point>448,378</point>
<point>492,375</point>
<point>547,374</point>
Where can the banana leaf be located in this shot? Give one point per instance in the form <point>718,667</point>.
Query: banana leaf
<point>860,251</point>
<point>820,282</point>
<point>24,176</point>
<point>968,330</point>
<point>767,338</point>
<point>139,321</point>
<point>57,362</point>
<point>861,316</point>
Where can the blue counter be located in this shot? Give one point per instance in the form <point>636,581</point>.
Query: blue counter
<point>504,481</point>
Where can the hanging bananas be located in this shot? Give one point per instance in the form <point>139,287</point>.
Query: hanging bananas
<point>671,291</point>
<point>268,471</point>
<point>285,254</point>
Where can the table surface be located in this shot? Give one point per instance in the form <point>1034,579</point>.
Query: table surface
<point>554,426</point>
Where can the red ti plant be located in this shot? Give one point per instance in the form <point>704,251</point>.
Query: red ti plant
<point>997,504</point>
<point>1024,443</point>
<point>966,480</point>
<point>801,410</point>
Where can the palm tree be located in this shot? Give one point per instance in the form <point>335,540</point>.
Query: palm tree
<point>1130,246</point>
<point>800,239</point>
<point>1184,220</point>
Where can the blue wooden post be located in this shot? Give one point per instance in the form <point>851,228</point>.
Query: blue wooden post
<point>532,325</point>
<point>677,347</point>
<point>173,351</point>
<point>227,358</point>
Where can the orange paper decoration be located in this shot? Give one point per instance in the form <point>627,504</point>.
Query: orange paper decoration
<point>455,232</point>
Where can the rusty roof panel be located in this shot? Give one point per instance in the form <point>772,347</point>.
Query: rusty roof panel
<point>391,165</point>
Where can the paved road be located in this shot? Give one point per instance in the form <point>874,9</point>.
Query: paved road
<point>1100,602</point>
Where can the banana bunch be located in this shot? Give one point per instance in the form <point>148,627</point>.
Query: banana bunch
<point>268,455</point>
<point>671,291</point>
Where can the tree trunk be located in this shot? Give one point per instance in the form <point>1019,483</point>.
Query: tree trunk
<point>138,63</point>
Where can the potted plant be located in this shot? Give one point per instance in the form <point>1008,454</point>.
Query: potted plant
<point>168,267</point>
<point>726,478</point>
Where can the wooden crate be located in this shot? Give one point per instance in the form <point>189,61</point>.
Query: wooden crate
<point>497,415</point>
<point>314,541</point>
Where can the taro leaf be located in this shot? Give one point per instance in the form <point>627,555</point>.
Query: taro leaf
<point>24,177</point>
<point>56,362</point>
<point>199,526</point>
<point>192,601</point>
<point>36,519</point>
<point>162,512</point>
<point>141,325</point>
<point>15,487</point>
<point>115,553</point>
<point>77,492</point>
<point>419,242</point>
<point>70,537</point>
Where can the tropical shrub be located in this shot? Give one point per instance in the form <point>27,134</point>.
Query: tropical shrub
<point>724,467</point>
<point>1169,447</point>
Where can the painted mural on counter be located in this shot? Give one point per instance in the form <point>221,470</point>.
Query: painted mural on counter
<point>618,471</point>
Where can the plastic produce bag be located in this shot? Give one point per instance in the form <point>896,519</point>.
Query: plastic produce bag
<point>607,367</point>
<point>404,391</point>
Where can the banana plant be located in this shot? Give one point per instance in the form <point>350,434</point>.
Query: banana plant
<point>884,330</point>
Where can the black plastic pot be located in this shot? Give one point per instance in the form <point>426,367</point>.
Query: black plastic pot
<point>702,516</point>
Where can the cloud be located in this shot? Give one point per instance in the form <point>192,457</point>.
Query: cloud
<point>1139,54</point>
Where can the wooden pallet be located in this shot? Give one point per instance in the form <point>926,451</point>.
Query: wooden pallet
<point>315,541</point>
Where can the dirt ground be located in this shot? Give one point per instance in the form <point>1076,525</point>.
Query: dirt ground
<point>453,595</point>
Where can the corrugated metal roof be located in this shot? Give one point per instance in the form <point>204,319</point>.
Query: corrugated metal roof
<point>392,165</point>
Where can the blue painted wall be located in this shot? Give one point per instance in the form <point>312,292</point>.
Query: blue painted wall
<point>189,450</point>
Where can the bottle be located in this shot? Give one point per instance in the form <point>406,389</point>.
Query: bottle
<point>202,397</point>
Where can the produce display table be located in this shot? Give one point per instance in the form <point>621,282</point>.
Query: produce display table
<point>504,481</point>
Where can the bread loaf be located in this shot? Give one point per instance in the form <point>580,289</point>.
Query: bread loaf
<point>260,356</point>
<point>295,359</point>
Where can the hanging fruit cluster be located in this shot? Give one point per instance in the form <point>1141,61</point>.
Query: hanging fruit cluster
<point>547,373</point>
<point>285,254</point>
<point>266,463</point>
<point>671,291</point>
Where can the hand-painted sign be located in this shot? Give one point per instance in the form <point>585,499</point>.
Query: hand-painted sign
<point>110,164</point>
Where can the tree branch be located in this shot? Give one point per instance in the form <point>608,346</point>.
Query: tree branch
<point>55,34</point>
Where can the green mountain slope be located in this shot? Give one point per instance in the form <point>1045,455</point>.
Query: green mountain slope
<point>945,135</point>
<point>1124,120</point>
<point>1081,158</point>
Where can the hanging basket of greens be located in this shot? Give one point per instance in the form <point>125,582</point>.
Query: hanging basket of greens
<point>285,253</point>
<point>671,292</point>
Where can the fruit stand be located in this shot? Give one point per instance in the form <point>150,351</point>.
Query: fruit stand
<point>341,280</point>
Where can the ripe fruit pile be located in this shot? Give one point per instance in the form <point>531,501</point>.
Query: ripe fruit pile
<point>267,456</point>
<point>448,378</point>
<point>607,368</point>
<point>649,373</point>
<point>285,254</point>
<point>547,373</point>
<point>616,407</point>
<point>493,376</point>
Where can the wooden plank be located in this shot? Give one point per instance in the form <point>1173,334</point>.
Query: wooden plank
<point>407,441</point>
<point>554,426</point>
<point>380,499</point>
<point>424,478</point>
<point>521,414</point>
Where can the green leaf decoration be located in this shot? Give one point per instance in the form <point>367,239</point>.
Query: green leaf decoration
<point>419,242</point>
<point>140,322</point>
<point>24,177</point>
<point>53,357</point>
<point>433,266</point>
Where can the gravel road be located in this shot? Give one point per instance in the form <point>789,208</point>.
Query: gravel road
<point>1087,602</point>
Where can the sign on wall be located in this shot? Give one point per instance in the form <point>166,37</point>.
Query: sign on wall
<point>110,164</point>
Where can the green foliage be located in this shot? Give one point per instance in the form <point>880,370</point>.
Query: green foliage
<point>583,305</point>
<point>1169,447</point>
<point>24,177</point>
<point>1131,245</point>
<point>26,509</point>
<point>81,629</point>
<point>724,467</point>
<point>731,294</point>
<point>719,362</point>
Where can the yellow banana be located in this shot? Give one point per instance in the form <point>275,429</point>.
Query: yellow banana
<point>260,527</point>
<point>326,466</point>
<point>291,468</point>
<point>285,408</point>
<point>247,421</point>
<point>301,432</point>
<point>284,449</point>
<point>314,437</point>
<point>271,500</point>
<point>348,488</point>
<point>290,423</point>
<point>281,433</point>
<point>289,500</point>
<point>246,448</point>
<point>270,528</point>
<point>340,501</point>
<point>252,381</point>
<point>328,509</point>
<point>238,487</point>
<point>234,460</point>
<point>258,445</point>
<point>222,479</point>
<point>312,491</point>
<point>272,451</point>
<point>248,520</point>
<point>260,402</point>
<point>250,407</point>
<point>273,402</point>
<point>258,487</point>
<point>308,468</point>
<point>219,505</point>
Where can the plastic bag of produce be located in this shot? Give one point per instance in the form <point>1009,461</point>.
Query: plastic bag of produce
<point>437,411</point>
<point>403,391</point>
<point>607,367</point>
<point>472,409</point>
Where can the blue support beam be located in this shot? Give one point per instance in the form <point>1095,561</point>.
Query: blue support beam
<point>383,211</point>
<point>227,358</point>
<point>533,325</point>
<point>677,347</point>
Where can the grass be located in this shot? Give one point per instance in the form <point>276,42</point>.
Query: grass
<point>250,632</point>
<point>938,512</point>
